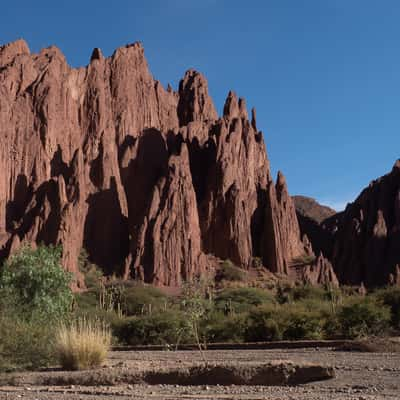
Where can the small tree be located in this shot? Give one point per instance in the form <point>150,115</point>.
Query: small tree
<point>36,283</point>
<point>194,309</point>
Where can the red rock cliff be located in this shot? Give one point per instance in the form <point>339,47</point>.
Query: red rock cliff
<point>367,234</point>
<point>149,181</point>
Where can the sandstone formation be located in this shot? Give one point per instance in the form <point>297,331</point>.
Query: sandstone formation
<point>363,242</point>
<point>319,272</point>
<point>150,182</point>
<point>367,234</point>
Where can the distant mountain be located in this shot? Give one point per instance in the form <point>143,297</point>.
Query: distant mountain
<point>311,216</point>
<point>310,208</point>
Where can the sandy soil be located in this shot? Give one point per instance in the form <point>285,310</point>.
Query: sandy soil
<point>359,376</point>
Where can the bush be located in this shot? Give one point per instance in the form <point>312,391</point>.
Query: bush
<point>363,316</point>
<point>331,327</point>
<point>82,345</point>
<point>24,344</point>
<point>319,306</point>
<point>87,301</point>
<point>35,280</point>
<point>308,292</point>
<point>92,274</point>
<point>261,325</point>
<point>391,298</point>
<point>218,328</point>
<point>229,272</point>
<point>283,294</point>
<point>34,295</point>
<point>303,325</point>
<point>135,299</point>
<point>242,299</point>
<point>162,328</point>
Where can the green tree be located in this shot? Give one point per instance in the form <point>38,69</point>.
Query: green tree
<point>35,282</point>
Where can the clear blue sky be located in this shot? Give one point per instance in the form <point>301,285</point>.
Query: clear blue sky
<point>324,75</point>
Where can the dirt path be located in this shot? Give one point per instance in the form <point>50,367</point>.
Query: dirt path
<point>359,376</point>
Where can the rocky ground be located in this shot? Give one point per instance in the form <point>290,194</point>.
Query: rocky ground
<point>359,376</point>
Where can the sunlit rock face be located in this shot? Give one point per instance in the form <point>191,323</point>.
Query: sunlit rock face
<point>151,182</point>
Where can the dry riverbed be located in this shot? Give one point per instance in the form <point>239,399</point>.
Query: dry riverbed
<point>359,376</point>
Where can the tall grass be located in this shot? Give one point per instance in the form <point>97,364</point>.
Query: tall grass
<point>83,344</point>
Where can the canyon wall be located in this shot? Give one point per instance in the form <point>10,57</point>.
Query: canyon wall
<point>366,245</point>
<point>151,182</point>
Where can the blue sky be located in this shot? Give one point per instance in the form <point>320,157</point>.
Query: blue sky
<point>324,75</point>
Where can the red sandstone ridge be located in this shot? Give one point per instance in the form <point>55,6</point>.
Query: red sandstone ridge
<point>363,241</point>
<point>149,181</point>
<point>367,234</point>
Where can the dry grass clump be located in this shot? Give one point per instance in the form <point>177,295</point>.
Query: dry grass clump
<point>84,344</point>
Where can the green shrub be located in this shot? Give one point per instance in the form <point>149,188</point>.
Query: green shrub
<point>218,328</point>
<point>283,294</point>
<point>130,300</point>
<point>298,322</point>
<point>37,283</point>
<point>303,326</point>
<point>242,299</point>
<point>139,299</point>
<point>87,301</point>
<point>34,296</point>
<point>363,316</point>
<point>320,306</point>
<point>229,272</point>
<point>162,328</point>
<point>25,344</point>
<point>262,325</point>
<point>391,297</point>
<point>93,277</point>
<point>331,327</point>
<point>308,292</point>
<point>92,274</point>
<point>109,317</point>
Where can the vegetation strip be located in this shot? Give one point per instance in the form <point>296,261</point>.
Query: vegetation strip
<point>54,327</point>
<point>284,344</point>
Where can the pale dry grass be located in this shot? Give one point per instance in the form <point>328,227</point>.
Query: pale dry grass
<point>83,345</point>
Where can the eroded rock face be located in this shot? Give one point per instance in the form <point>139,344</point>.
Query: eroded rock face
<point>149,181</point>
<point>367,238</point>
<point>314,222</point>
<point>320,272</point>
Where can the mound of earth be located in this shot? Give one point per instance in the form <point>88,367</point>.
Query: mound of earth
<point>266,374</point>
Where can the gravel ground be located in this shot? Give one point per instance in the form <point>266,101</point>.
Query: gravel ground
<point>359,376</point>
